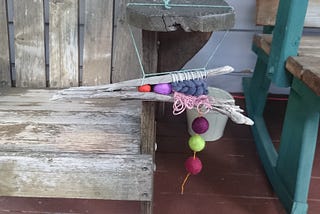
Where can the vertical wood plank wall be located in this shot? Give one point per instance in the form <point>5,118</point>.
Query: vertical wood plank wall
<point>63,44</point>
<point>98,42</point>
<point>29,43</point>
<point>4,48</point>
<point>125,62</point>
<point>69,43</point>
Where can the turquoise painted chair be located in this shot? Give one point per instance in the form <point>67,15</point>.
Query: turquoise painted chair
<point>287,59</point>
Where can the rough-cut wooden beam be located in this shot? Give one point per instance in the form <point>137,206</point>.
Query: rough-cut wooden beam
<point>195,18</point>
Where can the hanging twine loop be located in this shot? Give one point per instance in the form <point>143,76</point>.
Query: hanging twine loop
<point>166,4</point>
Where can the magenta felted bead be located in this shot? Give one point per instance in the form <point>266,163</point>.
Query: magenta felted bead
<point>193,165</point>
<point>200,125</point>
<point>162,88</point>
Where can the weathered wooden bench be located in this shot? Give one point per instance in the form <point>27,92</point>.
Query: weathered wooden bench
<point>287,59</point>
<point>72,148</point>
<point>85,148</point>
<point>93,149</point>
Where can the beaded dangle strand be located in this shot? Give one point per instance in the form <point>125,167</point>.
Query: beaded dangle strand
<point>193,164</point>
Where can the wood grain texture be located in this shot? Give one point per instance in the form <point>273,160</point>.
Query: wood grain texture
<point>29,43</point>
<point>125,63</point>
<point>72,148</point>
<point>5,79</point>
<point>204,19</point>
<point>63,43</point>
<point>175,48</point>
<point>97,42</point>
<point>266,11</point>
<point>309,45</point>
<point>31,122</point>
<point>95,176</point>
<point>307,69</point>
<point>148,129</point>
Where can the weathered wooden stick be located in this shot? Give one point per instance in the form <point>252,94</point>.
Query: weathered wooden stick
<point>121,90</point>
<point>167,78</point>
<point>226,107</point>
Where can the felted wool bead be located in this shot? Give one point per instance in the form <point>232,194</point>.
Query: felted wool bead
<point>200,125</point>
<point>193,165</point>
<point>144,88</point>
<point>196,143</point>
<point>162,88</point>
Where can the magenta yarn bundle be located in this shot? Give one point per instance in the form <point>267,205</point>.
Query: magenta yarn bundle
<point>196,143</point>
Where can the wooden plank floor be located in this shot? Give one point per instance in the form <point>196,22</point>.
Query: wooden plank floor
<point>232,180</point>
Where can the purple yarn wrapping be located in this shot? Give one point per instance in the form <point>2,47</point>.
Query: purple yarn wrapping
<point>200,125</point>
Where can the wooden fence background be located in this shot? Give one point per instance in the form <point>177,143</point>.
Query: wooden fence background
<point>63,43</point>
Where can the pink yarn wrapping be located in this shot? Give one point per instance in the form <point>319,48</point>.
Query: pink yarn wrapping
<point>183,102</point>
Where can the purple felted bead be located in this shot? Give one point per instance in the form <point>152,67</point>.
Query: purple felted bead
<point>200,125</point>
<point>193,165</point>
<point>162,88</point>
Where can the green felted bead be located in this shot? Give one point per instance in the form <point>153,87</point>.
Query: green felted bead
<point>196,143</point>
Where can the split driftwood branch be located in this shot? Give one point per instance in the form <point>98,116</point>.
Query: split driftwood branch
<point>226,107</point>
<point>120,90</point>
<point>153,80</point>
